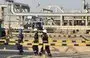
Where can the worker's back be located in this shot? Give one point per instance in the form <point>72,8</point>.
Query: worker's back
<point>36,38</point>
<point>45,38</point>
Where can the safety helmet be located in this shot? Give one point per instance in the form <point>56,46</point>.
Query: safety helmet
<point>21,27</point>
<point>44,31</point>
<point>35,29</point>
<point>29,17</point>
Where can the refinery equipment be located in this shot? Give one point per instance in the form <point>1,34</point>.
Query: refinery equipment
<point>18,15</point>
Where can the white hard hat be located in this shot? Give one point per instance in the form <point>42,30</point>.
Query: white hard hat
<point>29,17</point>
<point>21,27</point>
<point>45,31</point>
<point>35,29</point>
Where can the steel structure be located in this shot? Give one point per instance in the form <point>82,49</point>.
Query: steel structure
<point>57,21</point>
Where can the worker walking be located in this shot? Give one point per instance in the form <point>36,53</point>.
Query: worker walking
<point>45,40</point>
<point>20,40</point>
<point>36,40</point>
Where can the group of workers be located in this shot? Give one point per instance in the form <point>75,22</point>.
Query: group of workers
<point>35,48</point>
<point>44,37</point>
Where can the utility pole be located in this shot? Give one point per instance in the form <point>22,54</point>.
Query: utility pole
<point>9,17</point>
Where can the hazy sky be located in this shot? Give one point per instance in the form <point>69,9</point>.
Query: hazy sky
<point>67,4</point>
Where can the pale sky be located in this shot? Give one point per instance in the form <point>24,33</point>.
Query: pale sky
<point>67,4</point>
